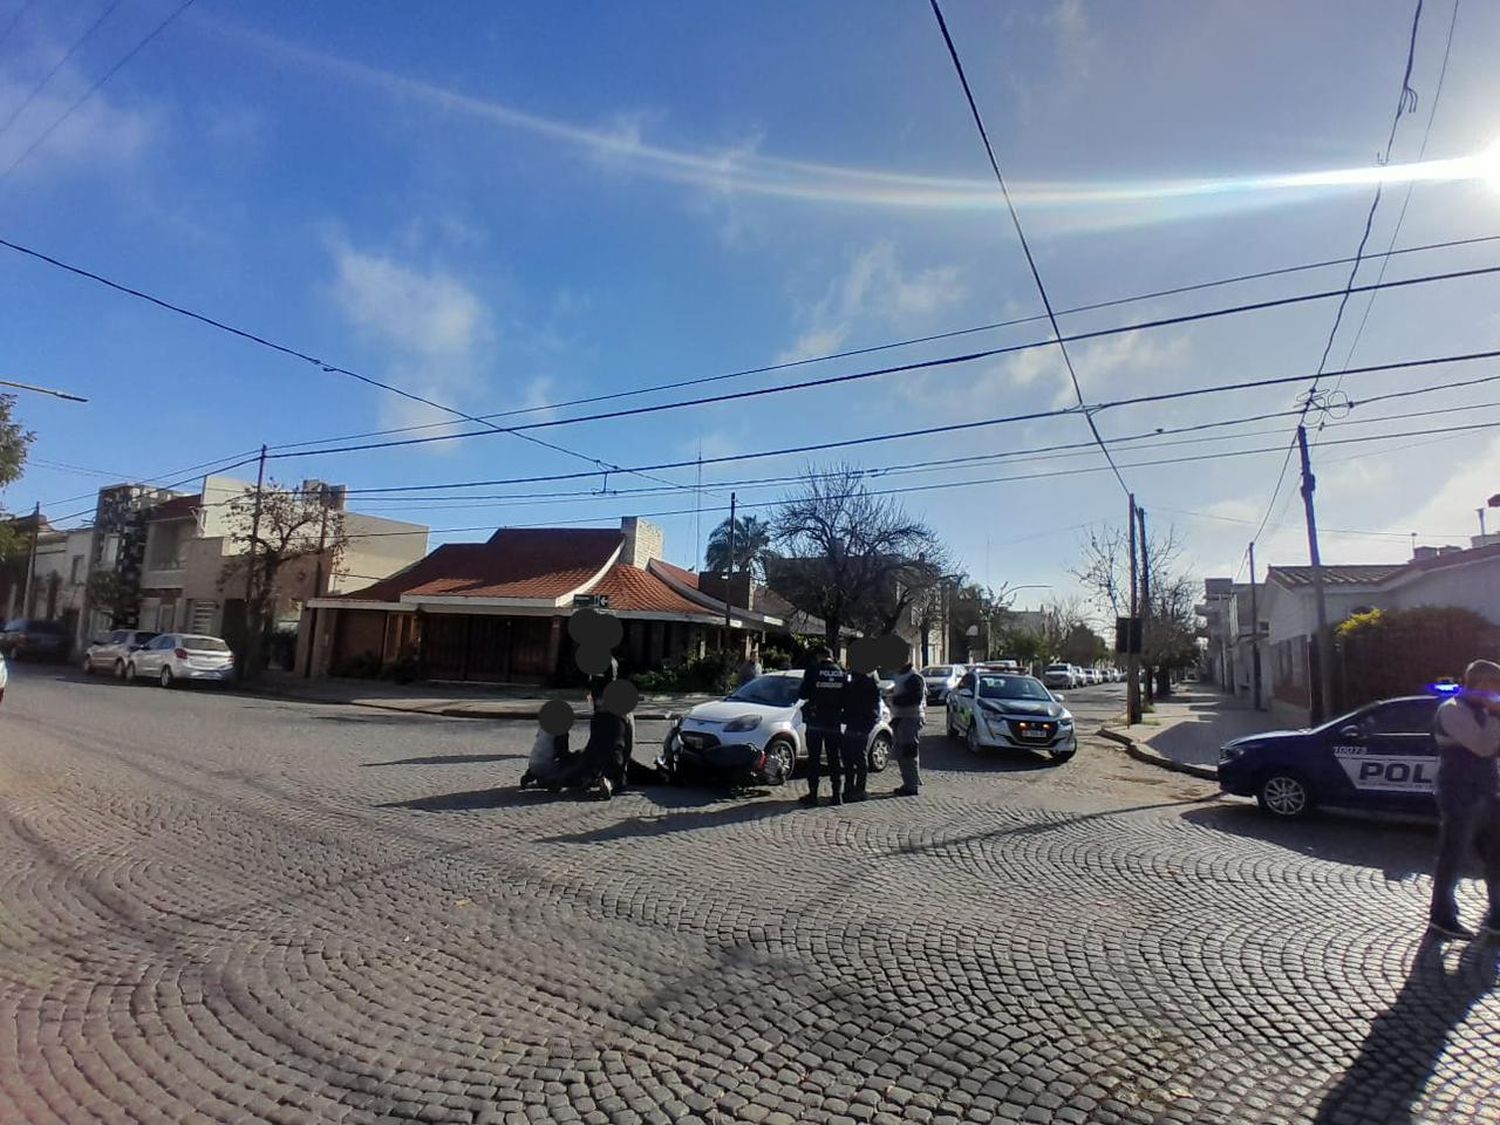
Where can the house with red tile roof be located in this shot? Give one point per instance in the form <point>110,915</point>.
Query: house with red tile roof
<point>497,611</point>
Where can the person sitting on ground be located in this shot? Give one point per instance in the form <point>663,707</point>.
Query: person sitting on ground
<point>605,752</point>
<point>1467,732</point>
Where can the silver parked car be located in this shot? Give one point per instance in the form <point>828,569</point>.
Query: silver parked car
<point>181,657</point>
<point>111,650</point>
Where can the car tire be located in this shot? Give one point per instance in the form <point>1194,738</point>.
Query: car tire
<point>880,752</point>
<point>1061,756</point>
<point>88,666</point>
<point>119,669</point>
<point>952,730</point>
<point>1285,795</point>
<point>787,752</point>
<point>971,737</point>
<point>166,677</point>
<point>129,674</point>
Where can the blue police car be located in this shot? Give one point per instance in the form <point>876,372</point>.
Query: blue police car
<point>1380,757</point>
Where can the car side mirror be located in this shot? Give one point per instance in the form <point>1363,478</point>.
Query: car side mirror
<point>1351,732</point>
<point>1059,698</point>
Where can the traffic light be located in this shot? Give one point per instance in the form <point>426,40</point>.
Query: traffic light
<point>1128,635</point>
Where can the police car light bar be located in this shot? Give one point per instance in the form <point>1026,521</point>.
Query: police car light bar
<point>1445,687</point>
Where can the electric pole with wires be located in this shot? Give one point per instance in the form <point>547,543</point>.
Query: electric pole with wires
<point>1320,676</point>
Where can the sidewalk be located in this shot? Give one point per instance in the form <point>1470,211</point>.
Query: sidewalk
<point>466,701</point>
<point>1186,731</point>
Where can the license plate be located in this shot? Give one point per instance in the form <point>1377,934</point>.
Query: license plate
<point>1035,734</point>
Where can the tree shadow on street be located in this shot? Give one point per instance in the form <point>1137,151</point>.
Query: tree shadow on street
<point>710,813</point>
<point>448,760</point>
<point>1406,1042</point>
<point>946,755</point>
<point>1399,850</point>
<point>469,800</point>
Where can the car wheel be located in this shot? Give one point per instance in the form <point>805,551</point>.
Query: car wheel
<point>88,666</point>
<point>880,752</point>
<point>1061,756</point>
<point>971,737</point>
<point>952,730</point>
<point>166,677</point>
<point>129,673</point>
<point>1285,795</point>
<point>786,754</point>
<point>119,669</point>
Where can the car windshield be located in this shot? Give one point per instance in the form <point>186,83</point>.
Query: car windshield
<point>1011,687</point>
<point>773,691</point>
<point>1061,667</point>
<point>207,644</point>
<point>937,671</point>
<point>54,627</point>
<point>143,638</point>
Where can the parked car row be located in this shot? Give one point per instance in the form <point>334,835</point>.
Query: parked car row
<point>1072,676</point>
<point>133,655</point>
<point>27,638</point>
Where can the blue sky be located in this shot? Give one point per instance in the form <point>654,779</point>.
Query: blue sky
<point>499,208</point>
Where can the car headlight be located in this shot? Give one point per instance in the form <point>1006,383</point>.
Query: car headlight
<point>1064,724</point>
<point>1231,753</point>
<point>742,724</point>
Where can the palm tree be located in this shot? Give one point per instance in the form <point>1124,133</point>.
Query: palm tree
<point>752,540</point>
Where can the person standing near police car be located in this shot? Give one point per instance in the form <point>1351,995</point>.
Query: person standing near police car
<point>822,693</point>
<point>908,710</point>
<point>1467,732</point>
<point>861,716</point>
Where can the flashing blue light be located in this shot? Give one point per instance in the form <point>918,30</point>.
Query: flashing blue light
<point>1445,687</point>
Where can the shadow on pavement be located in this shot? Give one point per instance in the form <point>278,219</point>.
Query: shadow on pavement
<point>941,753</point>
<point>1406,1041</point>
<point>1399,850</point>
<point>448,760</point>
<point>674,819</point>
<point>470,799</point>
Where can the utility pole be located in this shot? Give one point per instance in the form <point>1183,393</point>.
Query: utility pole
<point>729,576</point>
<point>1322,700</point>
<point>312,617</point>
<point>1145,598</point>
<point>36,527</point>
<point>260,486</point>
<point>1254,634</point>
<point>1132,658</point>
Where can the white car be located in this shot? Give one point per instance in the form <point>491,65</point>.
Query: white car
<point>1060,676</point>
<point>940,680</point>
<point>989,710</point>
<point>766,714</point>
<point>111,650</point>
<point>181,658</point>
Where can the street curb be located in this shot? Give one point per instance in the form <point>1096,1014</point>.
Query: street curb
<point>1145,754</point>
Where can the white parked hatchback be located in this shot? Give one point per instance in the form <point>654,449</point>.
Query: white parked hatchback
<point>181,657</point>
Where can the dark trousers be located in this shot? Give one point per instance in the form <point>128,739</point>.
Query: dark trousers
<point>856,761</point>
<point>1469,825</point>
<point>820,742</point>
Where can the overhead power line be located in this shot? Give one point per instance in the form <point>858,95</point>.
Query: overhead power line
<point>1406,101</point>
<point>971,482</point>
<point>835,380</point>
<point>848,353</point>
<point>1015,219</point>
<point>41,138</point>
<point>62,61</point>
<point>956,427</point>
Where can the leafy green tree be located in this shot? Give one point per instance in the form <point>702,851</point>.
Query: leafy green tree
<point>1390,652</point>
<point>15,443</point>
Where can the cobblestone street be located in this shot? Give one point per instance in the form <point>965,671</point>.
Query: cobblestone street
<point>216,907</point>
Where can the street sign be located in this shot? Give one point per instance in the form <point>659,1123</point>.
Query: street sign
<point>1128,635</point>
<point>590,601</point>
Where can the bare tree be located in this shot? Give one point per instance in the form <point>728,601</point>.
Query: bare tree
<point>852,558</point>
<point>269,530</point>
<point>1169,623</point>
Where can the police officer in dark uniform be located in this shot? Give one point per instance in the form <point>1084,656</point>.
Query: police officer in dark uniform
<point>861,715</point>
<point>822,693</point>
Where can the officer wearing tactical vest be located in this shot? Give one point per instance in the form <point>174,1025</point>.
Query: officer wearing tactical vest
<point>822,693</point>
<point>1467,731</point>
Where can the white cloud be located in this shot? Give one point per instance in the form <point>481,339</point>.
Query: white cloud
<point>98,134</point>
<point>874,289</point>
<point>434,326</point>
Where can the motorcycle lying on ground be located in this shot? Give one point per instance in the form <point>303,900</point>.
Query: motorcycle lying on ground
<point>732,765</point>
<point>554,767</point>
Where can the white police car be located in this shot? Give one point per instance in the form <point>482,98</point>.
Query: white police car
<point>991,710</point>
<point>1381,756</point>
